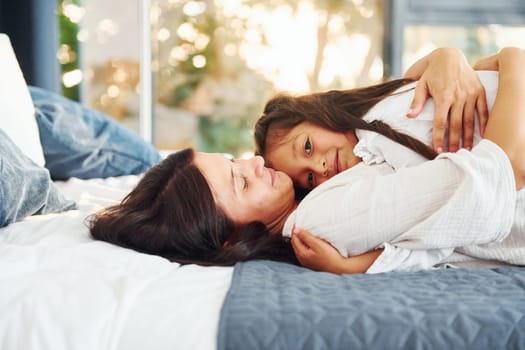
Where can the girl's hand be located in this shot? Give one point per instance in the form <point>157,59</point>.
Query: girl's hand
<point>457,91</point>
<point>317,254</point>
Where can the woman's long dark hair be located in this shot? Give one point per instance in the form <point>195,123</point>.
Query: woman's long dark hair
<point>336,110</point>
<point>172,213</point>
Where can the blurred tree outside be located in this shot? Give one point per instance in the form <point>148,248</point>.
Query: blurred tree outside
<point>205,60</point>
<point>69,50</point>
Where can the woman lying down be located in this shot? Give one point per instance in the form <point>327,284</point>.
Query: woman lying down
<point>203,208</point>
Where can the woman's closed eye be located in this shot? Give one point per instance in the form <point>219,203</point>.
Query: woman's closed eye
<point>238,174</point>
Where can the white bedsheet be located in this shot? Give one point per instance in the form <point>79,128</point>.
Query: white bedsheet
<point>60,289</point>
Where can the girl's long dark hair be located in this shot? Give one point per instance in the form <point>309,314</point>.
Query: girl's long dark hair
<point>336,110</point>
<point>172,213</point>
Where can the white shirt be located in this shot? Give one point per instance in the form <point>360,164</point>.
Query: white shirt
<point>423,215</point>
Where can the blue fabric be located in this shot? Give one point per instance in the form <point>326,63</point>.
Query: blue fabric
<point>80,142</point>
<point>279,306</point>
<point>25,188</point>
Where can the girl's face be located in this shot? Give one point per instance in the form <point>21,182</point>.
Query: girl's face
<point>310,154</point>
<point>246,190</point>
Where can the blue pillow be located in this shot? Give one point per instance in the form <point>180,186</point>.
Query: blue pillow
<point>25,187</point>
<point>81,142</point>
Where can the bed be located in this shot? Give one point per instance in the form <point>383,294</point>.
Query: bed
<point>60,289</point>
<point>63,290</point>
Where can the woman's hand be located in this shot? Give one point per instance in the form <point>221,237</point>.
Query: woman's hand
<point>317,254</point>
<point>487,63</point>
<point>457,91</point>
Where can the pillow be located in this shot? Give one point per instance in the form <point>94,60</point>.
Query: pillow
<point>81,142</point>
<point>16,109</point>
<point>25,187</point>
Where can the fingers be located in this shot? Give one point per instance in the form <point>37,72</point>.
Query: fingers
<point>315,253</point>
<point>462,119</point>
<point>304,253</point>
<point>469,124</point>
<point>457,93</point>
<point>303,244</point>
<point>299,247</point>
<point>439,126</point>
<point>476,100</point>
<point>455,126</point>
<point>487,63</point>
<point>306,238</point>
<point>306,243</point>
<point>483,112</point>
<point>421,95</point>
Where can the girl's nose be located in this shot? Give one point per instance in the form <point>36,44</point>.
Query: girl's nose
<point>320,168</point>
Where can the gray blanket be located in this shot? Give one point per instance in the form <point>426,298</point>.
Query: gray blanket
<point>278,306</point>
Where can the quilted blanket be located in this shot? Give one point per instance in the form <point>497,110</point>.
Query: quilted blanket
<point>279,306</point>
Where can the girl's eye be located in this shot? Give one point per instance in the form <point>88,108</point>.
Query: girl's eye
<point>310,180</point>
<point>308,146</point>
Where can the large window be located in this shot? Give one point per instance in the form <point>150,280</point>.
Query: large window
<point>216,62</point>
<point>475,41</point>
<point>413,28</point>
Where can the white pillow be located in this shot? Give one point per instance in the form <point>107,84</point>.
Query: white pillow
<point>17,114</point>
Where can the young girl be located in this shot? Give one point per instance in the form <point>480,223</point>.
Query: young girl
<point>311,154</point>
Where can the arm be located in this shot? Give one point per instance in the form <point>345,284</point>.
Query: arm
<point>457,91</point>
<point>507,124</point>
<point>316,254</point>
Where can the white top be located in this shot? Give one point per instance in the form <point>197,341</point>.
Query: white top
<point>422,215</point>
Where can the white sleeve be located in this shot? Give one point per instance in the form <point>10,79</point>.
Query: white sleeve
<point>459,199</point>
<point>395,258</point>
<point>373,148</point>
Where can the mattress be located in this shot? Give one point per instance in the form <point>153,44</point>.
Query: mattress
<point>60,289</point>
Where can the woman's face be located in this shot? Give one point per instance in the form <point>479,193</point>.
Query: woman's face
<point>246,190</point>
<point>310,154</point>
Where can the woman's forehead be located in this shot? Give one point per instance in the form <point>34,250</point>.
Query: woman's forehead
<point>211,163</point>
<point>214,157</point>
<point>216,168</point>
